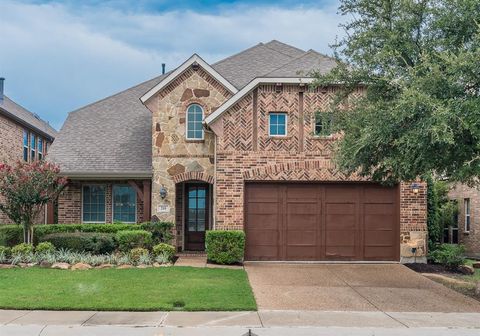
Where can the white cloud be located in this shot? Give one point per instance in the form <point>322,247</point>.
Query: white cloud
<point>57,58</point>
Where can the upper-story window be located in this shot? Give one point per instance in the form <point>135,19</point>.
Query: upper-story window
<point>194,122</point>
<point>277,124</point>
<point>33,144</point>
<point>323,124</point>
<point>25,145</point>
<point>40,148</point>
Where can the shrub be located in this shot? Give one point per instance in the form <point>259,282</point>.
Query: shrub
<point>11,235</point>
<point>449,255</point>
<point>22,249</point>
<point>161,231</point>
<point>225,247</point>
<point>137,253</point>
<point>165,249</point>
<point>45,247</point>
<point>130,239</point>
<point>96,243</point>
<point>5,251</point>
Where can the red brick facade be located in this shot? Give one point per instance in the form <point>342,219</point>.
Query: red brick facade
<point>470,239</point>
<point>70,202</point>
<point>11,150</point>
<point>246,152</point>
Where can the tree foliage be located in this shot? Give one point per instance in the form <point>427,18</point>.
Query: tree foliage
<point>26,188</point>
<point>419,114</point>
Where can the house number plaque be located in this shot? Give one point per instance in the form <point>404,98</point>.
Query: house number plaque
<point>163,208</point>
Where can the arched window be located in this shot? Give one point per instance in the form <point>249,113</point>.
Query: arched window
<point>194,122</point>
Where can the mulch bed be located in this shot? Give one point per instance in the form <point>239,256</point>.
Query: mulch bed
<point>431,268</point>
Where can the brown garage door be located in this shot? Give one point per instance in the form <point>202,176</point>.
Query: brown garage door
<point>321,222</point>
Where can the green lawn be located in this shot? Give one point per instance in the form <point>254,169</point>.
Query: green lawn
<point>168,288</point>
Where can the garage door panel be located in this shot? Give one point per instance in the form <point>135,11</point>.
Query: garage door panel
<point>263,208</point>
<point>340,208</point>
<point>340,194</point>
<point>301,192</point>
<point>301,237</point>
<point>262,252</point>
<point>262,191</point>
<point>379,238</point>
<point>301,253</point>
<point>302,208</point>
<point>262,237</point>
<point>340,252</point>
<point>379,209</point>
<point>379,253</point>
<point>340,238</point>
<point>377,222</point>
<point>321,222</point>
<point>340,222</point>
<point>266,222</point>
<point>378,194</point>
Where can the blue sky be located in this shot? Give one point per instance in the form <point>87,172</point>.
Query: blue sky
<point>57,56</point>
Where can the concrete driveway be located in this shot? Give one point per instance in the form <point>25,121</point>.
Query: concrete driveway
<point>351,287</point>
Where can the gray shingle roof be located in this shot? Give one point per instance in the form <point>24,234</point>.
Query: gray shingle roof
<point>305,65</point>
<point>114,136</point>
<point>255,62</point>
<point>24,116</point>
<point>110,136</point>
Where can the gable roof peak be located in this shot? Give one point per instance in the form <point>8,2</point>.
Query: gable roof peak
<point>194,59</point>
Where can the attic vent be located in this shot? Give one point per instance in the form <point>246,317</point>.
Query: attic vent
<point>195,66</point>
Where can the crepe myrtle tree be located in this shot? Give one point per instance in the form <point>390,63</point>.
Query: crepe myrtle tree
<point>418,111</point>
<point>25,189</point>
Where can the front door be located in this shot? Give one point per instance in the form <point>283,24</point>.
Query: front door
<point>196,216</point>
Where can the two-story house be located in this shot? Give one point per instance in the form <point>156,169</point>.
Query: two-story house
<point>244,143</point>
<point>23,135</point>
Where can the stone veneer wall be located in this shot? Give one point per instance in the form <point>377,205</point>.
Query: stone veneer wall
<point>11,151</point>
<point>245,152</point>
<point>175,159</point>
<point>470,239</point>
<point>70,202</point>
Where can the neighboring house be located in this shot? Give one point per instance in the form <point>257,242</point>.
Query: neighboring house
<point>468,200</point>
<point>242,144</point>
<point>23,135</point>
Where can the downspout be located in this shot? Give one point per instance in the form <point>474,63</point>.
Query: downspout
<point>214,205</point>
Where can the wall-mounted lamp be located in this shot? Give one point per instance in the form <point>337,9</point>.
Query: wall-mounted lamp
<point>163,192</point>
<point>415,188</point>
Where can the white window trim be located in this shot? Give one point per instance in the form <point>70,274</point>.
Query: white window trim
<point>81,210</point>
<point>186,123</point>
<point>34,148</point>
<point>113,205</point>
<point>286,125</point>
<point>27,146</point>
<point>467,215</point>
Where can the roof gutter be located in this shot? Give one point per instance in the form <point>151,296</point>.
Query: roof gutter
<point>26,124</point>
<point>249,87</point>
<point>105,175</point>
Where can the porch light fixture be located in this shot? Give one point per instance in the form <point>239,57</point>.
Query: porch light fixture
<point>163,192</point>
<point>415,188</point>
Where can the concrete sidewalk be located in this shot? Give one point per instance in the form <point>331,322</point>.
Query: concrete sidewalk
<point>10,319</point>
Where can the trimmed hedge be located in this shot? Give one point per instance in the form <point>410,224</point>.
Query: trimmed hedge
<point>225,247</point>
<point>130,239</point>
<point>166,249</point>
<point>11,235</point>
<point>96,243</point>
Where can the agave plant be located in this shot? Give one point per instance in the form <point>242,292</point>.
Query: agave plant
<point>144,259</point>
<point>3,258</point>
<point>16,259</point>
<point>124,259</point>
<point>163,258</point>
